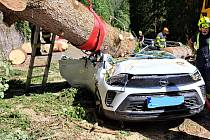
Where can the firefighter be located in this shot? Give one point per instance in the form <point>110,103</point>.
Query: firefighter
<point>141,39</point>
<point>202,47</point>
<point>160,41</point>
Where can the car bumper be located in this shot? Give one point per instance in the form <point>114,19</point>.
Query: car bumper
<point>134,108</point>
<point>132,116</point>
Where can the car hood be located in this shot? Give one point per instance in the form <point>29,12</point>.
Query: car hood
<point>154,66</point>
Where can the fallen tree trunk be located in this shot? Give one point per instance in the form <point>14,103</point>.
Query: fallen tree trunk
<point>67,18</point>
<point>179,52</point>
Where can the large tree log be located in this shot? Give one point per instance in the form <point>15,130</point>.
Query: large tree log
<point>67,18</point>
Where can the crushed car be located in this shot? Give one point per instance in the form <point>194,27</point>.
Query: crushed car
<point>149,85</point>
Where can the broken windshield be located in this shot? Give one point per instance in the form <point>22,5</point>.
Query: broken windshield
<point>153,55</point>
<point>147,55</point>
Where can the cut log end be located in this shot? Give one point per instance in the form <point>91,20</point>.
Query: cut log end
<point>17,56</point>
<point>15,5</point>
<point>27,48</point>
<point>59,46</point>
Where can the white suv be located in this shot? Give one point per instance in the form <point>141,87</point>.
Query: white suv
<point>146,86</point>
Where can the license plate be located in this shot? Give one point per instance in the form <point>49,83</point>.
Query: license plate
<point>163,101</point>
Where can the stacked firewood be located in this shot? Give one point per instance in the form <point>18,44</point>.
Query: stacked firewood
<point>19,55</point>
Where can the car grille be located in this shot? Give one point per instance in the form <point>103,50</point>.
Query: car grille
<point>155,80</point>
<point>138,102</point>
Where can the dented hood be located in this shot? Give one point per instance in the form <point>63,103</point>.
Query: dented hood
<point>154,66</point>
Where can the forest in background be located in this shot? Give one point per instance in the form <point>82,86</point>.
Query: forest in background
<point>149,16</point>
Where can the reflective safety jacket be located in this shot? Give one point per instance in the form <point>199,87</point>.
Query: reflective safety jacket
<point>197,46</point>
<point>160,40</point>
<point>202,48</point>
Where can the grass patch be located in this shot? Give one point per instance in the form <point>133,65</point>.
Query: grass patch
<point>10,117</point>
<point>16,125</point>
<point>13,123</point>
<point>14,119</point>
<point>16,73</point>
<point>62,105</point>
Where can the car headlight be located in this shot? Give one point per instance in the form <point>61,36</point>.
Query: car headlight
<point>196,76</point>
<point>119,80</point>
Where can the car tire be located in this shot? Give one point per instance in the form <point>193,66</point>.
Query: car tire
<point>98,104</point>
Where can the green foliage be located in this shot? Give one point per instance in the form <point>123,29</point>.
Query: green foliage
<point>182,22</point>
<point>13,124</point>
<point>72,109</point>
<point>179,16</point>
<point>137,48</point>
<point>124,133</point>
<point>67,96</point>
<point>85,2</point>
<point>4,76</point>
<point>121,14</point>
<point>148,16</point>
<point>76,112</point>
<point>102,8</point>
<point>114,12</point>
<point>24,28</point>
<point>15,119</point>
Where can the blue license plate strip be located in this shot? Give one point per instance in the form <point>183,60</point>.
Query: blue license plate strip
<point>163,101</point>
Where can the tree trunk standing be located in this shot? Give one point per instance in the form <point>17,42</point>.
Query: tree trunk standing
<point>69,19</point>
<point>10,39</point>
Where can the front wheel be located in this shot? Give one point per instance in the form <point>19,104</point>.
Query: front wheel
<point>98,104</point>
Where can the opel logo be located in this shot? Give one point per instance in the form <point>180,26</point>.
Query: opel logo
<point>163,82</point>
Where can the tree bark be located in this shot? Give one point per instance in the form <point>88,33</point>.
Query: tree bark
<point>10,38</point>
<point>70,19</point>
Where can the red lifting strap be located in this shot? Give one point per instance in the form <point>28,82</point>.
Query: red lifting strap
<point>207,104</point>
<point>97,35</point>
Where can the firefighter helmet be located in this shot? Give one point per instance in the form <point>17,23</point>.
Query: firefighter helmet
<point>166,30</point>
<point>204,22</point>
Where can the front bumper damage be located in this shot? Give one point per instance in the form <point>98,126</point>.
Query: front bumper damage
<point>134,108</point>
